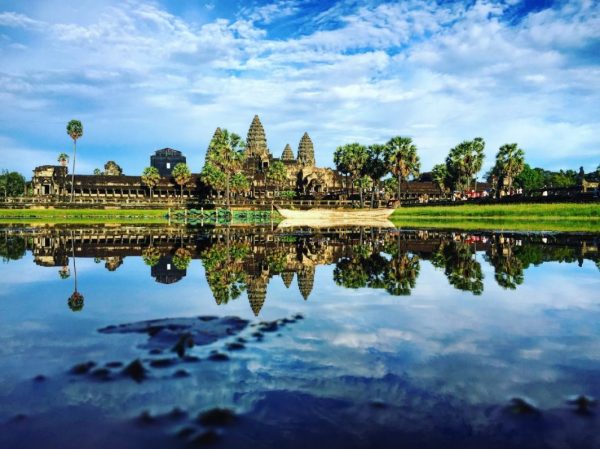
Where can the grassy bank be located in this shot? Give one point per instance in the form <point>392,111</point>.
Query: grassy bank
<point>82,216</point>
<point>521,212</point>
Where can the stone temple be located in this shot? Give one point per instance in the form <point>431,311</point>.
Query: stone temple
<point>303,176</point>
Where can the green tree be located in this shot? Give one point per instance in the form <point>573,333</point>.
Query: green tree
<point>402,160</point>
<point>240,183</point>
<point>375,167</point>
<point>213,177</point>
<point>510,162</point>
<point>182,175</point>
<point>340,159</point>
<point>530,178</point>
<point>150,177</point>
<point>225,153</point>
<point>12,248</point>
<point>12,183</point>
<point>151,256</point>
<point>352,158</point>
<point>439,174</point>
<point>63,158</point>
<point>464,162</point>
<point>277,175</point>
<point>75,131</point>
<point>182,258</point>
<point>97,172</point>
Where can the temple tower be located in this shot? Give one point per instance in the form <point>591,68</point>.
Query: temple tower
<point>257,293</point>
<point>306,151</point>
<point>288,154</point>
<point>288,277</point>
<point>215,136</point>
<point>306,280</point>
<point>256,142</point>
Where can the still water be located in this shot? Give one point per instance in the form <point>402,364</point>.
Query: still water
<point>128,337</point>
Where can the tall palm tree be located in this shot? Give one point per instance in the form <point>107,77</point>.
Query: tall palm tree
<point>150,177</point>
<point>375,167</point>
<point>225,153</point>
<point>277,175</point>
<point>75,301</point>
<point>465,160</point>
<point>75,130</point>
<point>510,161</point>
<point>352,158</point>
<point>439,174</point>
<point>402,159</point>
<point>182,176</point>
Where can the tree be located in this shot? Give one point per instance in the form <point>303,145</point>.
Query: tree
<point>151,256</point>
<point>182,176</point>
<point>530,178</point>
<point>340,156</point>
<point>225,154</point>
<point>150,177</point>
<point>182,258</point>
<point>75,131</point>
<point>63,159</point>
<point>510,161</point>
<point>402,159</point>
<point>97,172</point>
<point>352,158</point>
<point>375,167</point>
<point>213,177</point>
<point>277,175</point>
<point>240,183</point>
<point>12,183</point>
<point>439,174</point>
<point>464,161</point>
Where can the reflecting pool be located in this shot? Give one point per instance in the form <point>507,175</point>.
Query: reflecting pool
<point>149,337</point>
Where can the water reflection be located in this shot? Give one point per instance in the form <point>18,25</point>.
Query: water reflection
<point>247,260</point>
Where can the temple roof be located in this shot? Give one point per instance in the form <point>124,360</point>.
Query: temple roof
<point>165,152</point>
<point>288,154</point>
<point>256,142</point>
<point>306,151</point>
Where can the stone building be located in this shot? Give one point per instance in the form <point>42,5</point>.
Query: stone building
<point>165,160</point>
<point>303,176</point>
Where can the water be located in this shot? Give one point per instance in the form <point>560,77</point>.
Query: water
<point>341,338</point>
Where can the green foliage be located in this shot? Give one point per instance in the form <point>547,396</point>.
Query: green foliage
<point>277,174</point>
<point>151,256</point>
<point>240,183</point>
<point>64,273</point>
<point>458,259</point>
<point>288,194</point>
<point>12,248</point>
<point>182,175</point>
<point>213,177</point>
<point>75,129</point>
<point>225,154</point>
<point>510,161</point>
<point>530,178</point>
<point>464,162</point>
<point>97,172</point>
<point>182,259</point>
<point>223,264</point>
<point>402,160</point>
<point>12,183</point>
<point>151,177</point>
<point>63,157</point>
<point>75,302</point>
<point>440,176</point>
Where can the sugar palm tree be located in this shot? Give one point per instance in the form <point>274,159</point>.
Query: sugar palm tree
<point>75,131</point>
<point>277,175</point>
<point>150,177</point>
<point>439,174</point>
<point>465,160</point>
<point>402,159</point>
<point>510,161</point>
<point>225,153</point>
<point>182,176</point>
<point>375,167</point>
<point>75,301</point>
<point>63,158</point>
<point>352,158</point>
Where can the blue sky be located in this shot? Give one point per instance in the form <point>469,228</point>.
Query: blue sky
<point>145,75</point>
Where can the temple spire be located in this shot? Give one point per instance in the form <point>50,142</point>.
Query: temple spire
<point>306,151</point>
<point>215,136</point>
<point>288,154</point>
<point>256,142</point>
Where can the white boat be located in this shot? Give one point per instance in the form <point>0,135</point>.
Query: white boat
<point>319,218</point>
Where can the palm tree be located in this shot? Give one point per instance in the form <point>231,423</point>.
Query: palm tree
<point>75,130</point>
<point>375,167</point>
<point>277,175</point>
<point>510,161</point>
<point>439,174</point>
<point>63,158</point>
<point>182,176</point>
<point>352,158</point>
<point>75,301</point>
<point>402,159</point>
<point>150,177</point>
<point>225,153</point>
<point>465,160</point>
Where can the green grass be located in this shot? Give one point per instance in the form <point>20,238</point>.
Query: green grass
<point>524,212</point>
<point>500,224</point>
<point>82,216</point>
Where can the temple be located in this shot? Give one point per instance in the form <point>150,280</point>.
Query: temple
<point>310,184</point>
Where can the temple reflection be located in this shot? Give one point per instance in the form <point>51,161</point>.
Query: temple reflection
<point>238,260</point>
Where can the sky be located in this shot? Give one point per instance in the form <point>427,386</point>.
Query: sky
<point>143,75</point>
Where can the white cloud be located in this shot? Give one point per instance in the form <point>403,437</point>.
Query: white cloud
<point>141,75</point>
